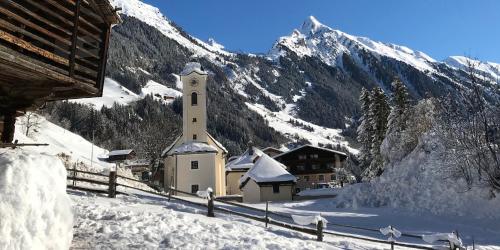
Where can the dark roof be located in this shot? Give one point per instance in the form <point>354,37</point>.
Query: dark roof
<point>311,146</point>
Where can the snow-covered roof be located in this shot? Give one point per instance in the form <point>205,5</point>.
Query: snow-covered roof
<point>193,67</point>
<point>193,147</point>
<point>311,146</point>
<point>217,143</point>
<point>267,169</point>
<point>244,161</point>
<point>120,152</point>
<point>167,150</point>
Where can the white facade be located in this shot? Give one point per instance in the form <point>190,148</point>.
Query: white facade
<point>195,161</point>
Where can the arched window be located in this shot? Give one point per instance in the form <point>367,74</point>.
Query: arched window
<point>194,99</point>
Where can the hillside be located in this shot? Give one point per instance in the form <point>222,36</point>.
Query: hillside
<point>305,89</point>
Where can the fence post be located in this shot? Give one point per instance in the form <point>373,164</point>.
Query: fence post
<point>319,230</point>
<point>169,193</point>
<point>112,184</point>
<point>392,238</point>
<point>267,208</point>
<point>211,204</point>
<point>74,174</point>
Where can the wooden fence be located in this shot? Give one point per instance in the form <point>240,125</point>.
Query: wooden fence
<point>111,183</point>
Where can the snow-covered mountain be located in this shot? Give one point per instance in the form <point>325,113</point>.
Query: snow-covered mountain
<point>488,69</point>
<point>318,40</point>
<point>305,88</point>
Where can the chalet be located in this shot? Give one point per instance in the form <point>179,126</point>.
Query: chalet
<point>312,165</point>
<point>51,50</point>
<point>238,166</point>
<point>272,151</point>
<point>267,180</point>
<point>195,161</point>
<point>118,156</point>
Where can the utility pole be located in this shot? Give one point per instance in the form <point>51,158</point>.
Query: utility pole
<point>92,150</point>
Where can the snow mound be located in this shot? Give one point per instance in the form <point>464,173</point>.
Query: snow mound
<point>35,211</point>
<point>418,183</point>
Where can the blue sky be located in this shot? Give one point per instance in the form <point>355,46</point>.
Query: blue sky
<point>439,28</point>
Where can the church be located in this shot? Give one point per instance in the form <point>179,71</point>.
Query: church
<point>195,160</point>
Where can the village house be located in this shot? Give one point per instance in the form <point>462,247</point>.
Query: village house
<point>272,151</point>
<point>195,161</point>
<point>313,166</point>
<point>267,180</point>
<point>238,166</point>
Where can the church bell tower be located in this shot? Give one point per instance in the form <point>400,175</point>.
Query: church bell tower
<point>194,102</point>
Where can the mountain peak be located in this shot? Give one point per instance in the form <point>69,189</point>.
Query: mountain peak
<point>311,25</point>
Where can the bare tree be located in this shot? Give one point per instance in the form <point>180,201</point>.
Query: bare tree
<point>31,122</point>
<point>471,125</point>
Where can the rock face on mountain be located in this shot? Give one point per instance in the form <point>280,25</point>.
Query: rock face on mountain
<point>305,88</point>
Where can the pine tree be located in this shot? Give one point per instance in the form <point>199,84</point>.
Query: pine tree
<point>378,115</point>
<point>365,131</point>
<point>400,110</point>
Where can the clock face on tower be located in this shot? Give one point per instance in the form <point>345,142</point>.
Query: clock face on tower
<point>194,82</point>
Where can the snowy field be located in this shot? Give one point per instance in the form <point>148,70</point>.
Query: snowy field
<point>145,222</point>
<point>486,232</point>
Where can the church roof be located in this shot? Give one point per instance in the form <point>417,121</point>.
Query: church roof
<point>167,150</point>
<point>193,67</point>
<point>193,147</point>
<point>267,170</point>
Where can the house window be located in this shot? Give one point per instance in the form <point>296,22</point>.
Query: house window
<point>315,166</point>
<point>194,99</point>
<point>194,119</point>
<point>194,189</point>
<point>332,177</point>
<point>306,178</point>
<point>314,156</point>
<point>321,177</point>
<point>194,137</point>
<point>276,188</point>
<point>194,164</point>
<point>301,167</point>
<point>302,157</point>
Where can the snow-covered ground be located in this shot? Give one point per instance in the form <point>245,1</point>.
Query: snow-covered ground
<point>160,92</point>
<point>60,141</point>
<point>114,92</point>
<point>485,232</point>
<point>146,222</point>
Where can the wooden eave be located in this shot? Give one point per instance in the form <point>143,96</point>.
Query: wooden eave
<point>105,10</point>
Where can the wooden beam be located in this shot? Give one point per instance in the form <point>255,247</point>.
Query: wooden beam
<point>74,38</point>
<point>30,47</point>
<point>104,58</point>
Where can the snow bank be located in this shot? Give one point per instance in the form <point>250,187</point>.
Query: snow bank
<point>420,183</point>
<point>35,211</point>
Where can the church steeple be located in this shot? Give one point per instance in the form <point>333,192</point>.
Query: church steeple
<point>194,117</point>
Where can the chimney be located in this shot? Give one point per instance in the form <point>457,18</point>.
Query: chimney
<point>250,148</point>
